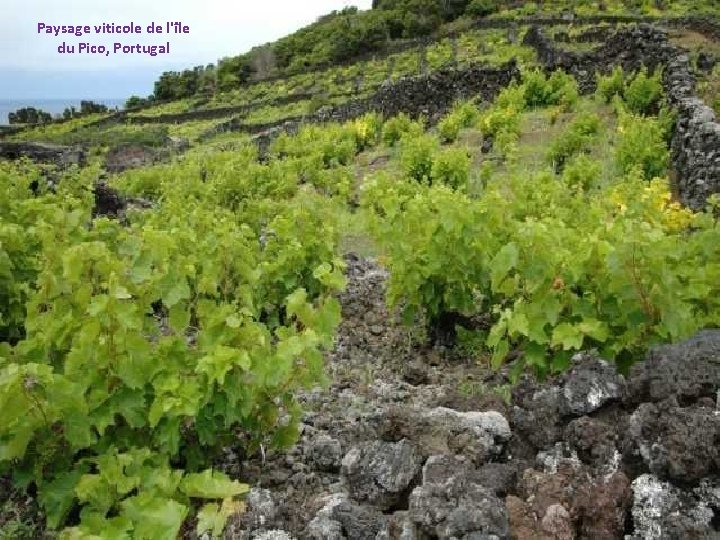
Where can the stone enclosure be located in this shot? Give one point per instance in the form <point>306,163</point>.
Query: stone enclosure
<point>61,156</point>
<point>695,145</point>
<point>393,450</point>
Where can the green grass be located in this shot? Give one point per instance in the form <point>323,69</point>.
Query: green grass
<point>191,130</point>
<point>54,132</point>
<point>540,128</point>
<point>173,107</point>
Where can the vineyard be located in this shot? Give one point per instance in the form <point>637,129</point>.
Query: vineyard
<point>463,288</point>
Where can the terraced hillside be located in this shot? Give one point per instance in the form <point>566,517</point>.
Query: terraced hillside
<point>460,287</point>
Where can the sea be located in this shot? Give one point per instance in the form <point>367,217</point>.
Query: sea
<point>52,106</point>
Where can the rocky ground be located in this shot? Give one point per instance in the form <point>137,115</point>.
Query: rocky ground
<point>413,443</point>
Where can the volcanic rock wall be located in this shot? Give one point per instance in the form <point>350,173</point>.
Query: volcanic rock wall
<point>430,95</point>
<point>215,113</point>
<point>695,145</point>
<point>630,48</point>
<point>62,156</point>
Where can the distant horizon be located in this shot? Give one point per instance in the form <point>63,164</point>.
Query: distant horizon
<point>119,82</point>
<point>54,106</point>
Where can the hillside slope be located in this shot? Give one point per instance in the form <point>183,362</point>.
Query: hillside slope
<point>463,288</point>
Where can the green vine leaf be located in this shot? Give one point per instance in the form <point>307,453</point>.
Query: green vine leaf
<point>211,484</point>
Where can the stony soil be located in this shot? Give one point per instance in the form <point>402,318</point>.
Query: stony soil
<point>414,442</point>
<point>411,442</point>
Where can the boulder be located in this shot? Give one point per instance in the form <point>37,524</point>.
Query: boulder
<point>341,518</point>
<point>594,441</point>
<point>687,371</point>
<point>455,507</point>
<point>660,510</point>
<point>565,500</point>
<point>324,454</point>
<point>706,61</point>
<point>676,443</point>
<point>380,473</point>
<point>479,436</point>
<point>591,384</point>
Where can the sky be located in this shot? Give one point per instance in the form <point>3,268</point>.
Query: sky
<point>32,68</point>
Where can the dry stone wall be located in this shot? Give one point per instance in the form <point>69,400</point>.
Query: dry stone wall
<point>429,95</point>
<point>215,113</point>
<point>695,145</point>
<point>62,156</point>
<point>132,156</point>
<point>630,48</point>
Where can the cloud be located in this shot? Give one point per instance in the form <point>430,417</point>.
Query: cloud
<point>218,28</point>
